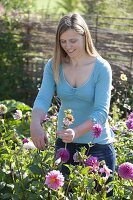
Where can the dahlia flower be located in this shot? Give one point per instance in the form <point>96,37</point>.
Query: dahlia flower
<point>54,180</point>
<point>131,115</point>
<point>123,77</point>
<point>68,119</point>
<point>3,109</point>
<point>96,130</point>
<point>93,163</point>
<point>105,170</point>
<point>25,140</point>
<point>63,154</point>
<point>29,145</point>
<point>18,114</point>
<point>125,170</point>
<point>129,123</point>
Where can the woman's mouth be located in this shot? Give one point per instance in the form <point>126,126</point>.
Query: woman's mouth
<point>69,52</point>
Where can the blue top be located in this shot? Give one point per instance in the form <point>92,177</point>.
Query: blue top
<point>89,101</point>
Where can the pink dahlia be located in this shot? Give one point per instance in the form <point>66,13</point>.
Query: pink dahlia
<point>131,115</point>
<point>106,171</point>
<point>68,121</point>
<point>96,130</point>
<point>93,163</point>
<point>54,180</point>
<point>125,170</point>
<point>129,123</point>
<point>63,154</point>
<point>25,140</point>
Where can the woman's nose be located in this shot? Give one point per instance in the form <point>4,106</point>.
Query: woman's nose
<point>68,44</point>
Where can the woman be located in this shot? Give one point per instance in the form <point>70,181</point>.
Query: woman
<point>82,80</point>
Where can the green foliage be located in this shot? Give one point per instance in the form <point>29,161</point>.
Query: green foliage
<point>67,6</point>
<point>47,6</point>
<point>122,94</point>
<point>24,168</point>
<point>115,8</point>
<point>15,81</point>
<point>22,5</point>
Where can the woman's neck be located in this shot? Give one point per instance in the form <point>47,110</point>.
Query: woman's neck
<point>82,60</point>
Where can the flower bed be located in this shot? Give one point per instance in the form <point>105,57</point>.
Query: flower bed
<point>28,173</point>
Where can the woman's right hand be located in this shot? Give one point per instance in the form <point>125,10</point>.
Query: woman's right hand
<point>38,136</point>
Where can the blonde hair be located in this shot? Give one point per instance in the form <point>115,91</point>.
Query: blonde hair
<point>77,23</point>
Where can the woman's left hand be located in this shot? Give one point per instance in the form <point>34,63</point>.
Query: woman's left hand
<point>67,135</point>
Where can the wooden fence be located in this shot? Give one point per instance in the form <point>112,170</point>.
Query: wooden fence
<point>113,38</point>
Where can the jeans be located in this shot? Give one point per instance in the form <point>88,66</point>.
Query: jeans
<point>101,151</point>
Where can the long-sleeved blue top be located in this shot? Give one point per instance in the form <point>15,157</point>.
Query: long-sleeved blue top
<point>89,101</point>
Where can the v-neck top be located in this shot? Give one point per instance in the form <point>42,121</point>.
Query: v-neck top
<point>85,82</point>
<point>91,100</point>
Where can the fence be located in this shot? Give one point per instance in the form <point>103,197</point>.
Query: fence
<point>113,38</point>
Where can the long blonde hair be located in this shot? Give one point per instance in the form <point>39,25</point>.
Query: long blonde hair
<point>77,23</point>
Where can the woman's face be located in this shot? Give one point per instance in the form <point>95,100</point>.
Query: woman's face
<point>73,43</point>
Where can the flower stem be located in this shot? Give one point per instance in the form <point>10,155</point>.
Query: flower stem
<point>65,145</point>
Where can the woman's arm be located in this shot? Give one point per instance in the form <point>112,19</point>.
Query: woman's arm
<point>38,136</point>
<point>41,106</point>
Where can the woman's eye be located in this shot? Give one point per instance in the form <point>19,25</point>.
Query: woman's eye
<point>73,41</point>
<point>62,42</point>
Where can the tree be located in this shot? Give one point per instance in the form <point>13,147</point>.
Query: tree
<point>67,6</point>
<point>17,4</point>
<point>116,8</point>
